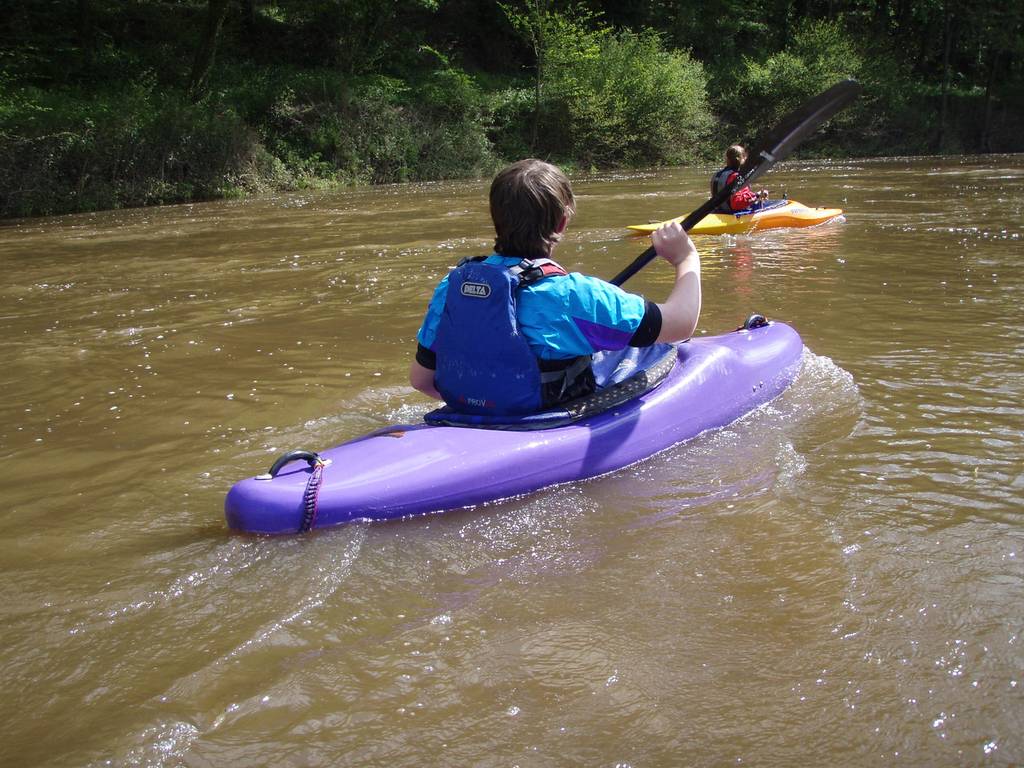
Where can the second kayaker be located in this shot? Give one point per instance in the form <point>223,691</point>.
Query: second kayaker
<point>744,197</point>
<point>514,333</point>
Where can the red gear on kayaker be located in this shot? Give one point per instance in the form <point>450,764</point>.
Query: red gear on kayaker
<point>744,197</point>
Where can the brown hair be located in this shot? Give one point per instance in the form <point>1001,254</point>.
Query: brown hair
<point>734,156</point>
<point>529,199</point>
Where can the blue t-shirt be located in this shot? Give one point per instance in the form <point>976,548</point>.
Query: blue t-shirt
<point>561,316</point>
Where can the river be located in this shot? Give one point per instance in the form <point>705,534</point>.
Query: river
<point>837,578</point>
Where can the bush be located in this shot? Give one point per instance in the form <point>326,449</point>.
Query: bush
<point>653,103</point>
<point>820,54</point>
<point>450,116</point>
<point>623,99</point>
<point>63,151</point>
<point>371,130</point>
<point>512,111</point>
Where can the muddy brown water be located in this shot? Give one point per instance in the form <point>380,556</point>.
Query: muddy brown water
<point>835,579</point>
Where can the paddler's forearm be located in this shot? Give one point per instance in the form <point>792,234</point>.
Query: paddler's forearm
<point>681,310</point>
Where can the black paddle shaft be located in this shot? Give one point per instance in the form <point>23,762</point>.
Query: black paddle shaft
<point>773,147</point>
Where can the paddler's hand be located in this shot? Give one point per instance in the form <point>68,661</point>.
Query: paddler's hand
<point>672,243</point>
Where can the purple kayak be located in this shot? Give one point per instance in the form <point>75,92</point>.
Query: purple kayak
<point>408,470</point>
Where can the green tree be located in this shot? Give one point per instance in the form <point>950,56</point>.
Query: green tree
<point>554,38</point>
<point>820,54</point>
<point>217,11</point>
<point>630,101</point>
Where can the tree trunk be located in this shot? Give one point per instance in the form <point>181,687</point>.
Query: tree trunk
<point>881,16</point>
<point>538,89</point>
<point>539,11</point>
<point>216,12</point>
<point>947,34</point>
<point>249,12</point>
<point>986,128</point>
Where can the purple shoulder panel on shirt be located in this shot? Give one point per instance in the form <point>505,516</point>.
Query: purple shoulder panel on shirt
<point>601,336</point>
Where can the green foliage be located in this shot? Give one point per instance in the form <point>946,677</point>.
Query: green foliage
<point>632,103</point>
<point>371,130</point>
<point>357,37</point>
<point>60,151</point>
<point>893,115</point>
<point>320,92</point>
<point>512,111</point>
<point>603,97</point>
<point>142,144</point>
<point>821,53</point>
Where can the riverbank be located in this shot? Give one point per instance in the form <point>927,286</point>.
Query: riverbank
<point>142,146</point>
<point>131,107</point>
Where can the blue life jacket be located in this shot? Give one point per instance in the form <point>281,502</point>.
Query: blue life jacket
<point>484,363</point>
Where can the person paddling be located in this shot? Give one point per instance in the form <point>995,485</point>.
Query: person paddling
<point>514,332</point>
<point>744,197</point>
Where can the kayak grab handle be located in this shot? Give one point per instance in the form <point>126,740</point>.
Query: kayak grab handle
<point>313,459</point>
<point>754,321</point>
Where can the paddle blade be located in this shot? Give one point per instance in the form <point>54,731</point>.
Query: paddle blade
<point>797,126</point>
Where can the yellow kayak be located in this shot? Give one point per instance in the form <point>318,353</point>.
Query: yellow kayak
<point>789,213</point>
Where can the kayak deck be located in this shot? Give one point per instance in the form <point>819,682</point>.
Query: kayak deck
<point>406,470</point>
<point>792,214</point>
